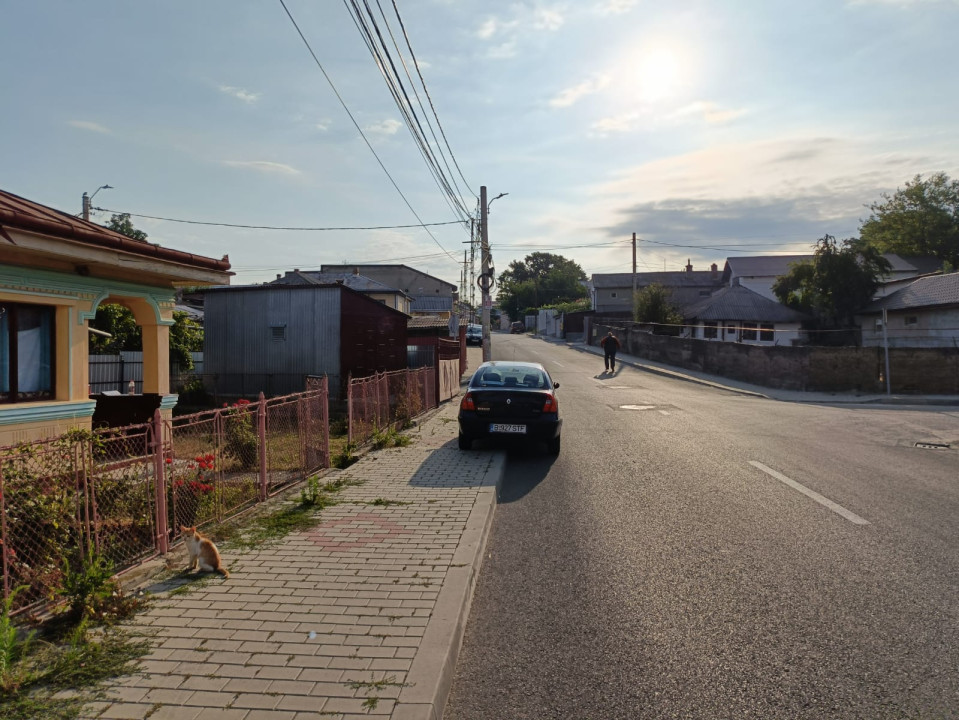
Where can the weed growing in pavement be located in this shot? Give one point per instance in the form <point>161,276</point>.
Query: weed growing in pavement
<point>345,457</point>
<point>389,438</point>
<point>373,686</point>
<point>298,517</point>
<point>383,502</point>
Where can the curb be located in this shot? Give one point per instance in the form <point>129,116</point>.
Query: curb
<point>430,678</point>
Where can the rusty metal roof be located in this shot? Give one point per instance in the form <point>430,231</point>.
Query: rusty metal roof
<point>17,213</point>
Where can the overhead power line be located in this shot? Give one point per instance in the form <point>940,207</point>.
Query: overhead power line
<point>279,227</point>
<point>360,130</point>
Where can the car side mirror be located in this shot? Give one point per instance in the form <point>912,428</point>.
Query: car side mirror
<point>555,385</point>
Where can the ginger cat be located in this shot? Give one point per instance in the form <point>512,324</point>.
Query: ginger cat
<point>203,553</point>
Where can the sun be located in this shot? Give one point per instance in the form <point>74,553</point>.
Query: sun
<point>658,72</point>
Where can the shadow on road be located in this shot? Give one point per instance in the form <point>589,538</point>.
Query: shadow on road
<point>526,467</point>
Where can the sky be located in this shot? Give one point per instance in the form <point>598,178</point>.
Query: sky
<point>711,129</point>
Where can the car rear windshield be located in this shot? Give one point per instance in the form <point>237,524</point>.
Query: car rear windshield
<point>511,377</point>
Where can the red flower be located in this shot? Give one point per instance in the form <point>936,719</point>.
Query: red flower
<point>169,461</point>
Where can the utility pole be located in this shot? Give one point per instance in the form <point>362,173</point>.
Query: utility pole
<point>634,266</point>
<point>88,198</point>
<point>485,273</point>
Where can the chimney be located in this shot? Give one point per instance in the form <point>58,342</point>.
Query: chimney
<point>689,267</point>
<point>714,269</point>
<point>356,271</point>
<point>278,276</point>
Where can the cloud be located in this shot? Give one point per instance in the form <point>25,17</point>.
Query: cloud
<point>504,35</point>
<point>572,95</point>
<point>549,20</point>
<point>707,111</point>
<point>754,197</point>
<point>384,127</point>
<point>263,166</point>
<point>239,93</point>
<point>323,125</point>
<point>616,7</point>
<point>91,126</point>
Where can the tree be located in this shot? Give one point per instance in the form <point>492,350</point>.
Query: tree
<point>652,305</point>
<point>540,279</point>
<point>920,219</point>
<point>186,336</point>
<point>839,281</point>
<point>121,224</point>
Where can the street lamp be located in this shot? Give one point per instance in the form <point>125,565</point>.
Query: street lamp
<point>87,199</point>
<point>486,277</point>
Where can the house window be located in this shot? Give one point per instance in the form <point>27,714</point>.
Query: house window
<point>730,329</point>
<point>912,320</point>
<point>704,293</point>
<point>612,294</point>
<point>878,324</point>
<point>709,330</point>
<point>26,352</point>
<point>278,333</point>
<point>766,333</point>
<point>749,331</point>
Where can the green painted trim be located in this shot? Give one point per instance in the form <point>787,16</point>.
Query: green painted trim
<point>44,283</point>
<point>168,402</point>
<point>69,353</point>
<point>27,413</point>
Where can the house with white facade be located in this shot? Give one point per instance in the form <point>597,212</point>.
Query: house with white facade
<point>738,314</point>
<point>925,313</point>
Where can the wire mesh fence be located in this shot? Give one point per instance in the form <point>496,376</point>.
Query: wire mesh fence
<point>124,492</point>
<point>387,400</point>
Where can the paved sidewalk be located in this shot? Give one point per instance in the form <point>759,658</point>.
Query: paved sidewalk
<point>360,617</point>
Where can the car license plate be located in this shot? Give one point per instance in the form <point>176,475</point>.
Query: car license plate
<point>505,428</point>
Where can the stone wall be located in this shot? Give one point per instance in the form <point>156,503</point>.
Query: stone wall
<point>821,369</point>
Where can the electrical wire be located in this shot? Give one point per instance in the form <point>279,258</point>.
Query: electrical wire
<point>278,227</point>
<point>359,130</point>
<point>369,27</point>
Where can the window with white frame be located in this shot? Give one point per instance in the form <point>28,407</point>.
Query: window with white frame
<point>709,330</point>
<point>766,332</point>
<point>27,352</point>
<point>749,331</point>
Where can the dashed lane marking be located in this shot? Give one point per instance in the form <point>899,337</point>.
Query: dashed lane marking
<point>835,507</point>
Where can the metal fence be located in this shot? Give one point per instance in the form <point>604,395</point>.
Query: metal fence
<point>124,492</point>
<point>389,399</point>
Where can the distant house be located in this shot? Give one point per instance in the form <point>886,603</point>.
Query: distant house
<point>389,296</point>
<point>737,314</point>
<point>759,273</point>
<point>612,293</point>
<point>414,283</point>
<point>269,338</point>
<point>925,313</point>
<point>55,271</point>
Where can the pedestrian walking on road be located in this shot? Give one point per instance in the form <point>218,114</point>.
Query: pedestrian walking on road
<point>610,345</point>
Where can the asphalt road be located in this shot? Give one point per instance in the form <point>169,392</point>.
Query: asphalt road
<point>704,554</point>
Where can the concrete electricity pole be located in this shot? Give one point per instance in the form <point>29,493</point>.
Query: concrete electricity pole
<point>484,279</point>
<point>88,198</point>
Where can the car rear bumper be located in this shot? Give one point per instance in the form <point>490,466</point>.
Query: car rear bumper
<point>545,428</point>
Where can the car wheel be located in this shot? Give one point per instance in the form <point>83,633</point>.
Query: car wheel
<point>465,443</point>
<point>553,445</point>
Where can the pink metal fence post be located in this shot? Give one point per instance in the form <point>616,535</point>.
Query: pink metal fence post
<point>261,437</point>
<point>159,472</point>
<point>349,408</point>
<point>4,540</point>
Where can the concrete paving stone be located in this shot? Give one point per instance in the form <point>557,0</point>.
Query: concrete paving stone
<point>168,697</point>
<point>228,657</point>
<point>199,656</point>
<point>270,715</point>
<point>255,700</point>
<point>204,682</point>
<point>321,675</point>
<point>237,671</point>
<point>246,685</point>
<point>276,672</point>
<point>356,706</point>
<point>126,694</point>
<point>126,711</point>
<point>292,687</point>
<point>211,698</point>
<point>179,643</point>
<point>285,636</point>
<point>194,668</point>
<point>159,667</point>
<point>250,634</point>
<point>248,615</point>
<point>405,652</point>
<point>269,659</point>
<point>214,633</point>
<point>152,680</point>
<point>206,713</point>
<point>402,641</point>
<point>217,644</point>
<point>312,661</point>
<point>258,646</point>
<point>342,663</point>
<point>401,665</point>
<point>302,703</point>
<point>176,712</point>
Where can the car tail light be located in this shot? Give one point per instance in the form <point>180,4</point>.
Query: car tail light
<point>467,402</point>
<point>551,405</point>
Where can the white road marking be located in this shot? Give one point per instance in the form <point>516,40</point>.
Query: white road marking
<point>617,387</point>
<point>836,508</point>
<point>664,412</point>
<point>637,407</point>
<point>558,363</point>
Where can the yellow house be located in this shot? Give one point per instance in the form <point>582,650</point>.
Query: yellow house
<point>55,270</point>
